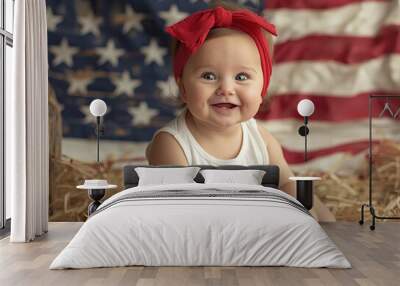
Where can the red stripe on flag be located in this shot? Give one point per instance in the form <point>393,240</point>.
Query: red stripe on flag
<point>294,157</point>
<point>311,4</point>
<point>327,108</point>
<point>344,49</point>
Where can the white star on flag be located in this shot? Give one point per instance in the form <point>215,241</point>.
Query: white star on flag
<point>169,88</point>
<point>109,53</point>
<point>125,84</point>
<point>90,24</point>
<point>78,86</point>
<point>153,53</point>
<point>173,15</point>
<point>133,20</point>
<point>142,114</point>
<point>52,20</point>
<point>63,53</point>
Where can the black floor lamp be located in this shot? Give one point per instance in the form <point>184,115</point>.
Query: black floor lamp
<point>304,185</point>
<point>305,108</point>
<point>98,108</point>
<point>96,188</point>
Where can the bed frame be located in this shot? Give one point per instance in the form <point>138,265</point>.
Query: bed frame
<point>270,179</point>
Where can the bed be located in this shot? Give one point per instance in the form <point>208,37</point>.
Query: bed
<point>201,223</point>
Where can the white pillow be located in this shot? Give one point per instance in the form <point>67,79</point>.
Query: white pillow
<point>249,177</point>
<point>162,176</point>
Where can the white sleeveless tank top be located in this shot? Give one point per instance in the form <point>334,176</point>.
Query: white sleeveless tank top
<point>253,150</point>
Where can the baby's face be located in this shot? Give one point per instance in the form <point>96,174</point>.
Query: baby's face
<point>225,69</point>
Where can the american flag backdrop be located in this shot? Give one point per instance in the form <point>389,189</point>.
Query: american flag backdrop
<point>334,52</point>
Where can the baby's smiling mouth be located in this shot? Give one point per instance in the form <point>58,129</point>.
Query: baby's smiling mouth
<point>225,105</point>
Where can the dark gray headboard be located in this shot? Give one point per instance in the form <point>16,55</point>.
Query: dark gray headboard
<point>270,179</point>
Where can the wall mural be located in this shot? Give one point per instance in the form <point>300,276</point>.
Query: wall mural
<point>118,51</point>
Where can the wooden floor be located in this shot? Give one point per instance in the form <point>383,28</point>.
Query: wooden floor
<point>374,255</point>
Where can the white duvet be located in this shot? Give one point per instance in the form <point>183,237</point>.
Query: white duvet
<point>181,231</point>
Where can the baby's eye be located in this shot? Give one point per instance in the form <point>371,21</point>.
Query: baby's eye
<point>208,76</point>
<point>242,76</point>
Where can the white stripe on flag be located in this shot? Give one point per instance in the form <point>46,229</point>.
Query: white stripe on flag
<point>85,150</point>
<point>339,163</point>
<point>358,19</point>
<point>325,135</point>
<point>336,79</point>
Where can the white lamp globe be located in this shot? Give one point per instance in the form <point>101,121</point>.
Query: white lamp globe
<point>305,107</point>
<point>98,107</point>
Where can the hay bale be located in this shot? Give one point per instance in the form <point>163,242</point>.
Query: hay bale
<point>344,194</point>
<point>55,137</point>
<point>70,203</point>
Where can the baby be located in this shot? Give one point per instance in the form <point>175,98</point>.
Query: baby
<point>222,67</point>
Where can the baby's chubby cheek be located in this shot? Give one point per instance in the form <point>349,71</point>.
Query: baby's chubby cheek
<point>251,107</point>
<point>247,113</point>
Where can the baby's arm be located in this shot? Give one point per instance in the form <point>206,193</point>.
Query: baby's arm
<point>165,150</point>
<point>319,210</point>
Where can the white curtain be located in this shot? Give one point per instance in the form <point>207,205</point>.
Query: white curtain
<point>27,147</point>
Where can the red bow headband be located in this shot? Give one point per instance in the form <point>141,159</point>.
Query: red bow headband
<point>192,31</point>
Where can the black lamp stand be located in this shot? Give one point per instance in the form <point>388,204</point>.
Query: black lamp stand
<point>303,131</point>
<point>98,136</point>
<point>96,194</point>
<point>304,188</point>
